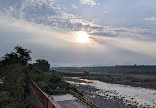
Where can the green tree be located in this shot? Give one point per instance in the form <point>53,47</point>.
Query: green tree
<point>17,75</point>
<point>23,54</point>
<point>42,65</point>
<point>20,55</point>
<point>14,80</point>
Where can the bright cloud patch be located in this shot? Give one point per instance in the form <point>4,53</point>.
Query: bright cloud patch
<point>82,37</point>
<point>152,19</point>
<point>88,2</point>
<point>74,6</point>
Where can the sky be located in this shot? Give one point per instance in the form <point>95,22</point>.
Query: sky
<point>81,32</point>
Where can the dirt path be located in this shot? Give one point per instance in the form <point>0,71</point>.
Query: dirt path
<point>72,104</point>
<point>69,101</point>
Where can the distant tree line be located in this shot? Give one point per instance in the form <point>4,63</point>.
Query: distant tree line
<point>126,69</point>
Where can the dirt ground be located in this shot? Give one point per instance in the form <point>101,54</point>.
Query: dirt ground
<point>72,104</point>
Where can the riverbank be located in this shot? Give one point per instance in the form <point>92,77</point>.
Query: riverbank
<point>109,95</point>
<point>102,101</point>
<point>134,80</point>
<point>148,85</point>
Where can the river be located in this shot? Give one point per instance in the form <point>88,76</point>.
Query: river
<point>137,96</point>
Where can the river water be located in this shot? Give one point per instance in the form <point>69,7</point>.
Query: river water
<point>141,97</point>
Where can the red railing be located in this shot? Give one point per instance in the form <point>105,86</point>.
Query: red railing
<point>44,98</point>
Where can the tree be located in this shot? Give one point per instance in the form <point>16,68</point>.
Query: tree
<point>23,54</point>
<point>17,75</point>
<point>14,81</point>
<point>19,56</point>
<point>42,65</point>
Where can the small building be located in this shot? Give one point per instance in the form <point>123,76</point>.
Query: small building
<point>86,72</point>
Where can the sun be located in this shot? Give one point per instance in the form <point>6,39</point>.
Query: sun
<point>82,37</point>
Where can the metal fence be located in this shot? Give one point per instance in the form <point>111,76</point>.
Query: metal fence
<point>44,98</point>
<point>90,104</point>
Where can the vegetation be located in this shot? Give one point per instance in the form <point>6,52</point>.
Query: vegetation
<point>21,56</point>
<point>55,84</point>
<point>136,75</point>
<point>113,77</point>
<point>42,65</point>
<point>17,74</point>
<point>133,79</point>
<point>17,77</point>
<point>127,69</point>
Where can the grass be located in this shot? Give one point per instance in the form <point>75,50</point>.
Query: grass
<point>54,84</point>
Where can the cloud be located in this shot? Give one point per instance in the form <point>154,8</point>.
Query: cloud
<point>58,47</point>
<point>46,26</point>
<point>152,19</point>
<point>89,2</point>
<point>136,46</point>
<point>50,13</point>
<point>74,6</point>
<point>48,43</point>
<point>122,32</point>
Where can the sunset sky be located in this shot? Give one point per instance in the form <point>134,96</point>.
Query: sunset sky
<point>81,32</point>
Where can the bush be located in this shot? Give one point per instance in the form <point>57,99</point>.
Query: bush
<point>7,101</point>
<point>55,78</point>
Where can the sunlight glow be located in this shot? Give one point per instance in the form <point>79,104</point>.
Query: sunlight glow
<point>82,37</point>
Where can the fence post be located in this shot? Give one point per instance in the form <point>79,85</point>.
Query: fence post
<point>47,102</point>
